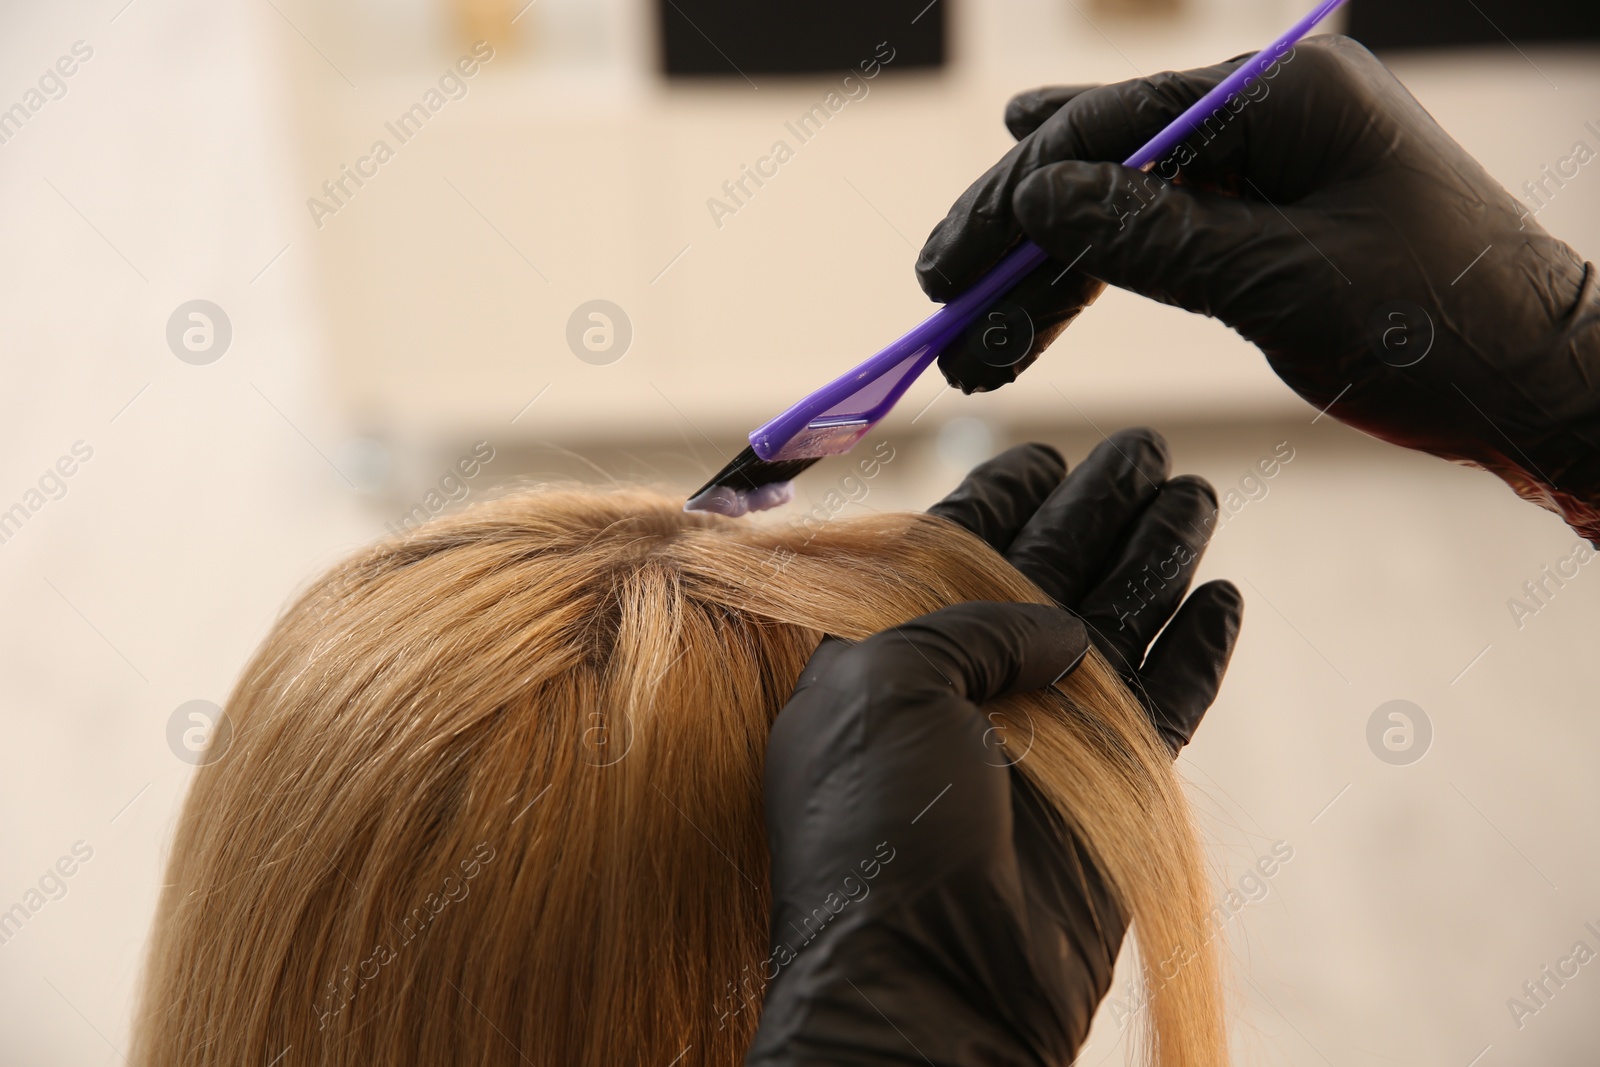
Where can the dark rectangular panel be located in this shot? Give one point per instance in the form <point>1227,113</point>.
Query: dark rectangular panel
<point>730,37</point>
<point>1396,24</point>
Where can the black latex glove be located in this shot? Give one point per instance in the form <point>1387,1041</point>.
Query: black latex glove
<point>927,904</point>
<point>1333,223</point>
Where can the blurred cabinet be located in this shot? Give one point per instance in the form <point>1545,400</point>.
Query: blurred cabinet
<point>447,281</point>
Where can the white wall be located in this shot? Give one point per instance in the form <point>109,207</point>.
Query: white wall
<point>176,167</point>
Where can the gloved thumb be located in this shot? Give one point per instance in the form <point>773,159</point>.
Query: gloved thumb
<point>1027,111</point>
<point>1176,244</point>
<point>978,650</point>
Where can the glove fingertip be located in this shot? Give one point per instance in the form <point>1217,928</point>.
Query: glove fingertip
<point>1145,452</point>
<point>1216,611</point>
<point>1076,660</point>
<point>1218,618</point>
<point>1061,637</point>
<point>1046,458</point>
<point>1023,115</point>
<point>1227,596</point>
<point>971,375</point>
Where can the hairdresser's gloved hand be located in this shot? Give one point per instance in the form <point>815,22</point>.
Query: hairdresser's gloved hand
<point>1328,219</point>
<point>1116,541</point>
<point>927,904</point>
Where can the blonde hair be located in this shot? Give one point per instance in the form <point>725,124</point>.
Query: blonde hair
<point>493,794</point>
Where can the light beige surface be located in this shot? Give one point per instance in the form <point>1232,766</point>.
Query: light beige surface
<point>548,186</point>
<point>176,167</point>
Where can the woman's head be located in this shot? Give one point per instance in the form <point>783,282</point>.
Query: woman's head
<point>494,792</point>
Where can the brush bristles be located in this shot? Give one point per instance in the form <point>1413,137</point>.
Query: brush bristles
<point>748,483</point>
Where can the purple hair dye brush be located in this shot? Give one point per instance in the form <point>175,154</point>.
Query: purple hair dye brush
<point>832,419</point>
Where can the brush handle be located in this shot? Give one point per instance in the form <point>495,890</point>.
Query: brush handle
<point>912,353</point>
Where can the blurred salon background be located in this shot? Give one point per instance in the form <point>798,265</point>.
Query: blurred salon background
<point>241,339</point>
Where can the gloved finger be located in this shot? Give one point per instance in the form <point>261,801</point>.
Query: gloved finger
<point>1184,670</point>
<point>1001,494</point>
<point>1027,111</point>
<point>1109,122</point>
<point>980,651</point>
<point>1073,895</point>
<point>1077,534</point>
<point>822,660</point>
<point>1140,592</point>
<point>1029,318</point>
<point>1197,249</point>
